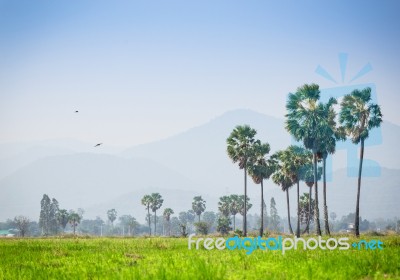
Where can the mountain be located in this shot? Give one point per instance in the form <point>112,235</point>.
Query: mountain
<point>192,162</point>
<point>81,180</point>
<point>200,153</point>
<point>16,155</point>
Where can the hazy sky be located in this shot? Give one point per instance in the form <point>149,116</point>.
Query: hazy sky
<point>142,70</point>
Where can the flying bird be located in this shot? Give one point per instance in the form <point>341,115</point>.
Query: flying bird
<point>98,144</point>
<point>76,111</point>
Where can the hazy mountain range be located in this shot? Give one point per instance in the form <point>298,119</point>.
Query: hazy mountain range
<point>191,163</point>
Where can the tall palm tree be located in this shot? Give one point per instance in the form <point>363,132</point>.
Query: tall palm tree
<point>239,149</point>
<point>198,205</point>
<point>167,216</point>
<point>295,159</point>
<point>307,121</point>
<point>156,202</point>
<point>146,201</point>
<point>234,208</point>
<point>259,169</point>
<point>329,135</point>
<point>283,179</point>
<point>358,116</point>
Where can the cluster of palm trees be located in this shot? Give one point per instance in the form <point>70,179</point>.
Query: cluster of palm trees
<point>231,205</point>
<point>153,202</point>
<point>315,125</point>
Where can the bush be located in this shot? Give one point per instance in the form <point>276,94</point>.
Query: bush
<point>224,225</point>
<point>202,228</point>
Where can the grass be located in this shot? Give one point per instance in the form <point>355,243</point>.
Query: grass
<point>169,258</point>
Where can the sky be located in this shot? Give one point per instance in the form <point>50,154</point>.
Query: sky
<point>139,71</point>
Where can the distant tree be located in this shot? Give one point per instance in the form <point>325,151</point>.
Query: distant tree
<point>234,207</point>
<point>74,219</point>
<point>198,205</point>
<point>209,217</point>
<point>306,209</point>
<point>275,219</point>
<point>112,216</point>
<point>53,221</point>
<point>333,216</point>
<point>183,218</point>
<point>175,226</point>
<point>190,218</point>
<point>224,205</point>
<point>223,224</point>
<point>22,224</point>
<point>202,227</point>
<point>240,150</point>
<point>155,204</point>
<point>308,178</point>
<point>44,219</point>
<point>167,216</point>
<point>244,205</point>
<point>183,223</point>
<point>146,201</point>
<point>62,218</point>
<point>358,117</point>
<point>129,222</point>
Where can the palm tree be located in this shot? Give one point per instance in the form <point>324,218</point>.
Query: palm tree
<point>146,201</point>
<point>259,169</point>
<point>112,215</point>
<point>198,205</point>
<point>156,202</point>
<point>62,218</point>
<point>307,121</point>
<point>294,160</point>
<point>167,216</point>
<point>284,180</point>
<point>224,205</point>
<point>74,220</point>
<point>358,116</point>
<point>234,207</point>
<point>244,205</point>
<point>239,149</point>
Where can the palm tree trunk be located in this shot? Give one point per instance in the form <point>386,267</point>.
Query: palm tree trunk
<point>234,222</point>
<point>199,217</point>
<point>298,209</point>
<point>148,215</point>
<point>316,208</point>
<point>288,210</point>
<point>326,221</point>
<point>307,229</point>
<point>357,221</point>
<point>155,223</point>
<point>245,202</point>
<point>262,209</point>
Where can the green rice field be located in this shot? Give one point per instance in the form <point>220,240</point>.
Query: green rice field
<point>169,258</point>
